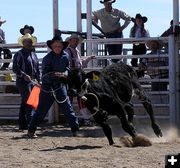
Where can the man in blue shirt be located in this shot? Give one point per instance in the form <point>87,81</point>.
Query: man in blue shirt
<point>26,68</point>
<point>55,69</point>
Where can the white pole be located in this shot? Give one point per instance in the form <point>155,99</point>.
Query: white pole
<point>55,15</point>
<point>79,20</point>
<point>89,26</point>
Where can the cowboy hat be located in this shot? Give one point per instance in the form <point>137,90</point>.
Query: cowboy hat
<point>2,21</point>
<point>27,36</point>
<point>27,27</point>
<point>74,36</point>
<point>144,18</point>
<point>108,1</point>
<point>158,42</point>
<point>56,38</point>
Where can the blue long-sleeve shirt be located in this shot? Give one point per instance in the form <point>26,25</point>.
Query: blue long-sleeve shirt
<point>25,62</point>
<point>52,63</point>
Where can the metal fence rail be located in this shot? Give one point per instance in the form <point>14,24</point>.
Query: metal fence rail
<point>93,65</point>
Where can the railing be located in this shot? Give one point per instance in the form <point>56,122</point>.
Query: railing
<point>41,48</point>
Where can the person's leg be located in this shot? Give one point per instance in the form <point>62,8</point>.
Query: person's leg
<point>45,102</point>
<point>138,49</point>
<point>67,109</point>
<point>24,92</point>
<point>115,49</point>
<point>22,119</point>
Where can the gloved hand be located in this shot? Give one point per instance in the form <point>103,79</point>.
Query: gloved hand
<point>61,74</point>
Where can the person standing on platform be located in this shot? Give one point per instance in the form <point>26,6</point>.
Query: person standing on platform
<point>138,31</point>
<point>110,23</point>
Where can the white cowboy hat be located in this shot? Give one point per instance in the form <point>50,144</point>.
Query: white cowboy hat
<point>27,36</point>
<point>74,36</point>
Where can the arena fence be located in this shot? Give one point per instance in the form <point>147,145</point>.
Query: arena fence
<point>166,103</point>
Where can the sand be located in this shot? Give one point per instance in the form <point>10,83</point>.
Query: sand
<point>56,148</point>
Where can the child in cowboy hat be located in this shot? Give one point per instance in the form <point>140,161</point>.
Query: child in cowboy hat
<point>138,31</point>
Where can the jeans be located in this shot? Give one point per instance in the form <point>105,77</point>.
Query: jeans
<point>25,109</point>
<point>46,100</point>
<point>114,49</point>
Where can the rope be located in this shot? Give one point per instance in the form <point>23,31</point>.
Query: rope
<point>34,82</point>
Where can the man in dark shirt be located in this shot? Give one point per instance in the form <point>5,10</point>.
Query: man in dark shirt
<point>55,67</point>
<point>26,68</point>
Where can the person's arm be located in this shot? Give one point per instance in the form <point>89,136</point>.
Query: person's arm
<point>126,18</point>
<point>86,59</point>
<point>17,65</point>
<point>95,16</point>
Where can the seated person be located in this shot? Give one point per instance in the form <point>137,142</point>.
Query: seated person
<point>152,64</point>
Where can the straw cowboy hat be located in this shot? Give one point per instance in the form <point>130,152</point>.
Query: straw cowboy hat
<point>108,1</point>
<point>26,27</point>
<point>27,36</point>
<point>144,18</point>
<point>2,21</point>
<point>56,38</point>
<point>151,42</point>
<point>74,36</point>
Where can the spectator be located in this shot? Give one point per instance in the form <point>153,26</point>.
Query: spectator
<point>26,68</point>
<point>166,33</point>
<point>27,29</point>
<point>111,26</point>
<point>138,31</point>
<point>77,63</point>
<point>6,52</point>
<point>152,65</point>
<point>55,68</point>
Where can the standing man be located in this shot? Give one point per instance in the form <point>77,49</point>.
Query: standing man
<point>77,63</point>
<point>26,68</point>
<point>111,26</point>
<point>55,70</point>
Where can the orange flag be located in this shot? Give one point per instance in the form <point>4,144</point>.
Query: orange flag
<point>33,99</point>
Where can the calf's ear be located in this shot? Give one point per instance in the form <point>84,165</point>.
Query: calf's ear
<point>94,75</point>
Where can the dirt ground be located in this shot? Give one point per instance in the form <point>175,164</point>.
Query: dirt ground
<point>56,148</point>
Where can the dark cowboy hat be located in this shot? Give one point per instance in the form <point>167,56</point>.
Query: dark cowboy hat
<point>109,1</point>
<point>27,27</point>
<point>56,38</point>
<point>144,18</point>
